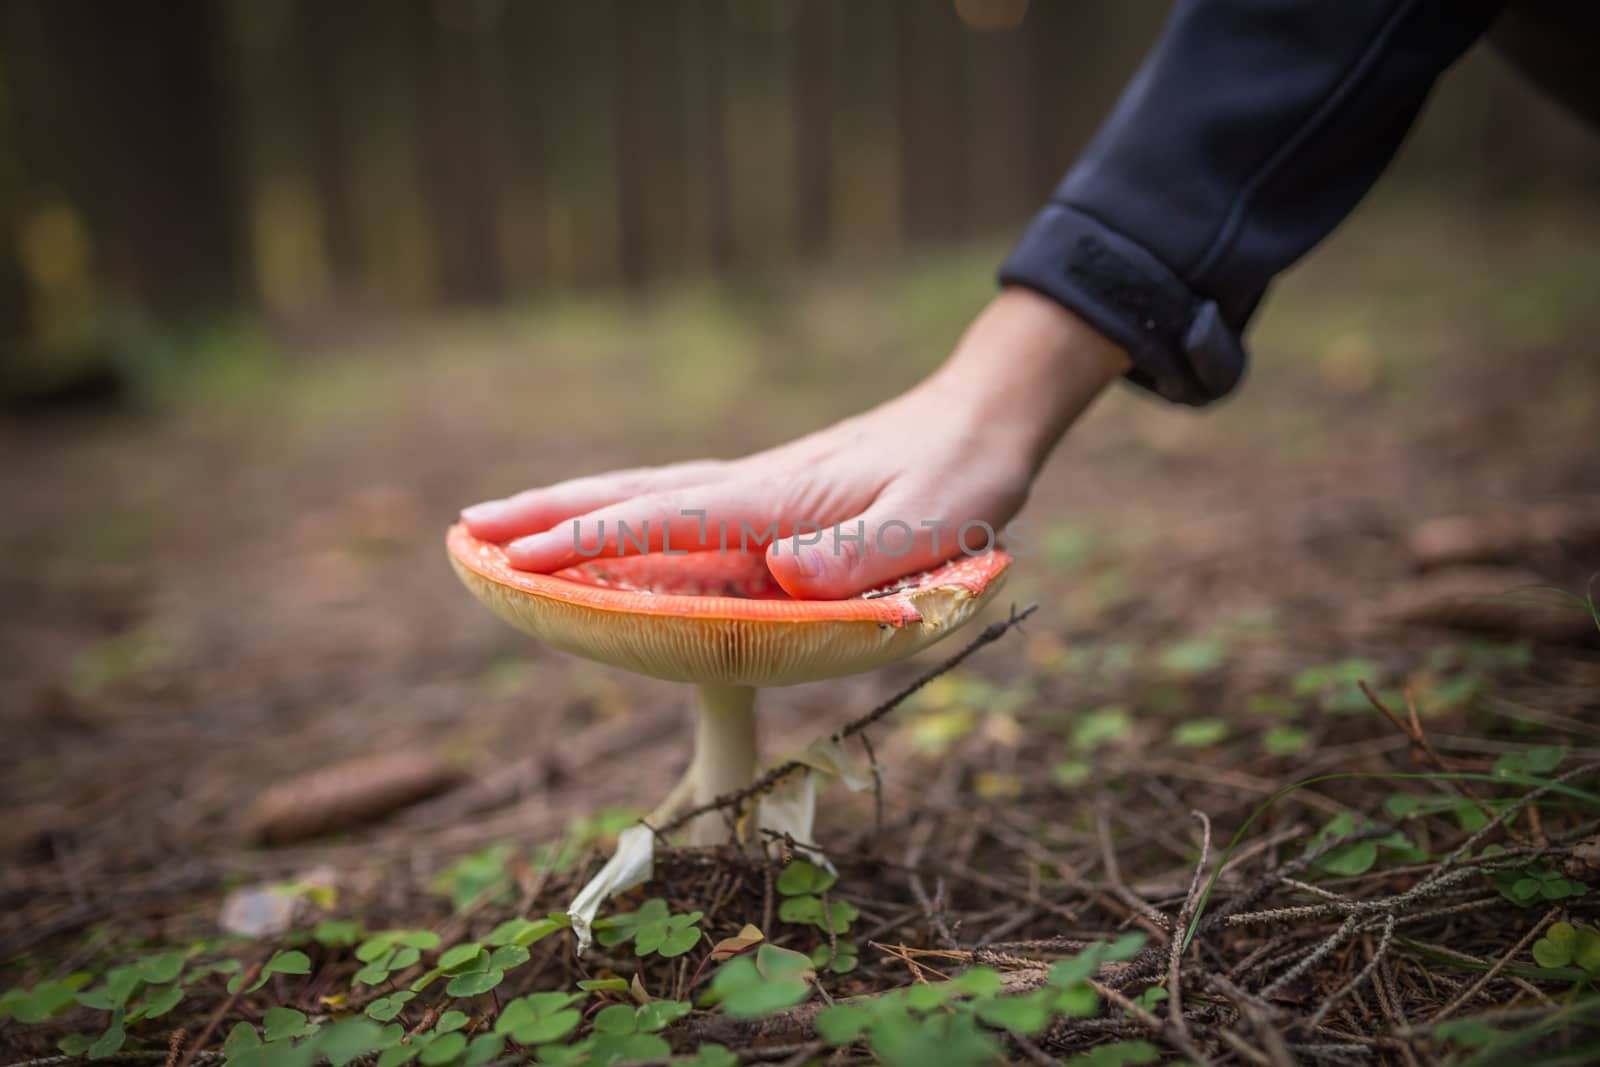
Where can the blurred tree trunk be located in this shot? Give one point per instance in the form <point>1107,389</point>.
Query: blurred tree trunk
<point>1083,57</point>
<point>649,139</point>
<point>716,193</point>
<point>262,48</point>
<point>865,203</point>
<point>165,165</point>
<point>756,95</point>
<point>524,221</point>
<point>933,120</point>
<point>1051,28</point>
<point>119,186</point>
<point>159,155</point>
<point>385,160</point>
<point>1000,155</point>
<point>16,318</point>
<point>633,48</point>
<point>327,35</point>
<point>461,109</point>
<point>815,73</point>
<point>582,170</point>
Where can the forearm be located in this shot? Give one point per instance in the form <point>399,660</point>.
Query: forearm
<point>1023,372</point>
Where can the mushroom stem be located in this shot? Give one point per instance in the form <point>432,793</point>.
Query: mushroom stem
<point>724,754</point>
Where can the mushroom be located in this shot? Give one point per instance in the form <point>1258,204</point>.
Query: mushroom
<point>719,620</point>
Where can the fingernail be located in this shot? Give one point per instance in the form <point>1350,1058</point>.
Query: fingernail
<point>488,511</point>
<point>521,548</point>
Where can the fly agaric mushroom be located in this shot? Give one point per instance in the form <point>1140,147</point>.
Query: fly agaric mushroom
<point>719,620</point>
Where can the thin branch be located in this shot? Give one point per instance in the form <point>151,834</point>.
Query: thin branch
<point>736,799</point>
<point>1175,952</point>
<point>1499,965</point>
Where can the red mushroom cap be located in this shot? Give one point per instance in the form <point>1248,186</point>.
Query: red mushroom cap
<point>719,616</point>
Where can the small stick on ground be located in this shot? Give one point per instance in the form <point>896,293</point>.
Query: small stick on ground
<point>1185,914</point>
<point>250,974</point>
<point>1362,975</point>
<point>1411,727</point>
<point>1108,858</point>
<point>1184,1043</point>
<point>1499,965</point>
<point>175,1045</point>
<point>735,800</point>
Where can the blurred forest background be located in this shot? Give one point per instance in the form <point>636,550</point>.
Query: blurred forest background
<point>165,162</point>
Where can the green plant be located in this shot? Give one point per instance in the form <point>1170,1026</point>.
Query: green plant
<point>1150,998</point>
<point>390,951</point>
<point>1271,705</point>
<point>282,962</point>
<point>622,1032</point>
<point>539,1018</point>
<point>483,876</point>
<point>1565,944</point>
<point>1534,884</point>
<point>45,1000</point>
<point>152,986</point>
<point>1333,686</point>
<point>291,1042</point>
<point>653,929</point>
<point>1471,815</point>
<point>804,887</point>
<point>337,933</point>
<point>1359,857</point>
<point>1101,726</point>
<point>954,1023</point>
<point>1465,1033</point>
<point>840,957</point>
<point>1200,733</point>
<point>1071,772</point>
<point>525,932</point>
<point>1188,659</point>
<point>748,987</point>
<point>1119,1054</point>
<point>1285,740</point>
<point>1537,759</point>
<point>1453,691</point>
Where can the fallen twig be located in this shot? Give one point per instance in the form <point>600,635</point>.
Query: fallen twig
<point>735,800</point>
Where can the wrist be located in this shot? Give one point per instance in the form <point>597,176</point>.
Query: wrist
<point>1025,370</point>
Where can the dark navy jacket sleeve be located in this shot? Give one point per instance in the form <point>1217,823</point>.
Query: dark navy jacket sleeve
<point>1251,130</point>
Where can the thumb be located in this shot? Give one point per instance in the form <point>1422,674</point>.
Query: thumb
<point>853,556</point>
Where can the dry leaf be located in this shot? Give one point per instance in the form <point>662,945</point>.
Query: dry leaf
<point>729,947</point>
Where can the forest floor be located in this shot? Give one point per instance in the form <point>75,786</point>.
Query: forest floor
<point>241,582</point>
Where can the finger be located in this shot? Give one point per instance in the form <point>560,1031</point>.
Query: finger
<point>540,509</point>
<point>697,518</point>
<point>867,552</point>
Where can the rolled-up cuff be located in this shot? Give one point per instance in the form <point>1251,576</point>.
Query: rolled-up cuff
<point>1180,344</point>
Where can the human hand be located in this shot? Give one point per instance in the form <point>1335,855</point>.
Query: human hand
<point>959,450</point>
